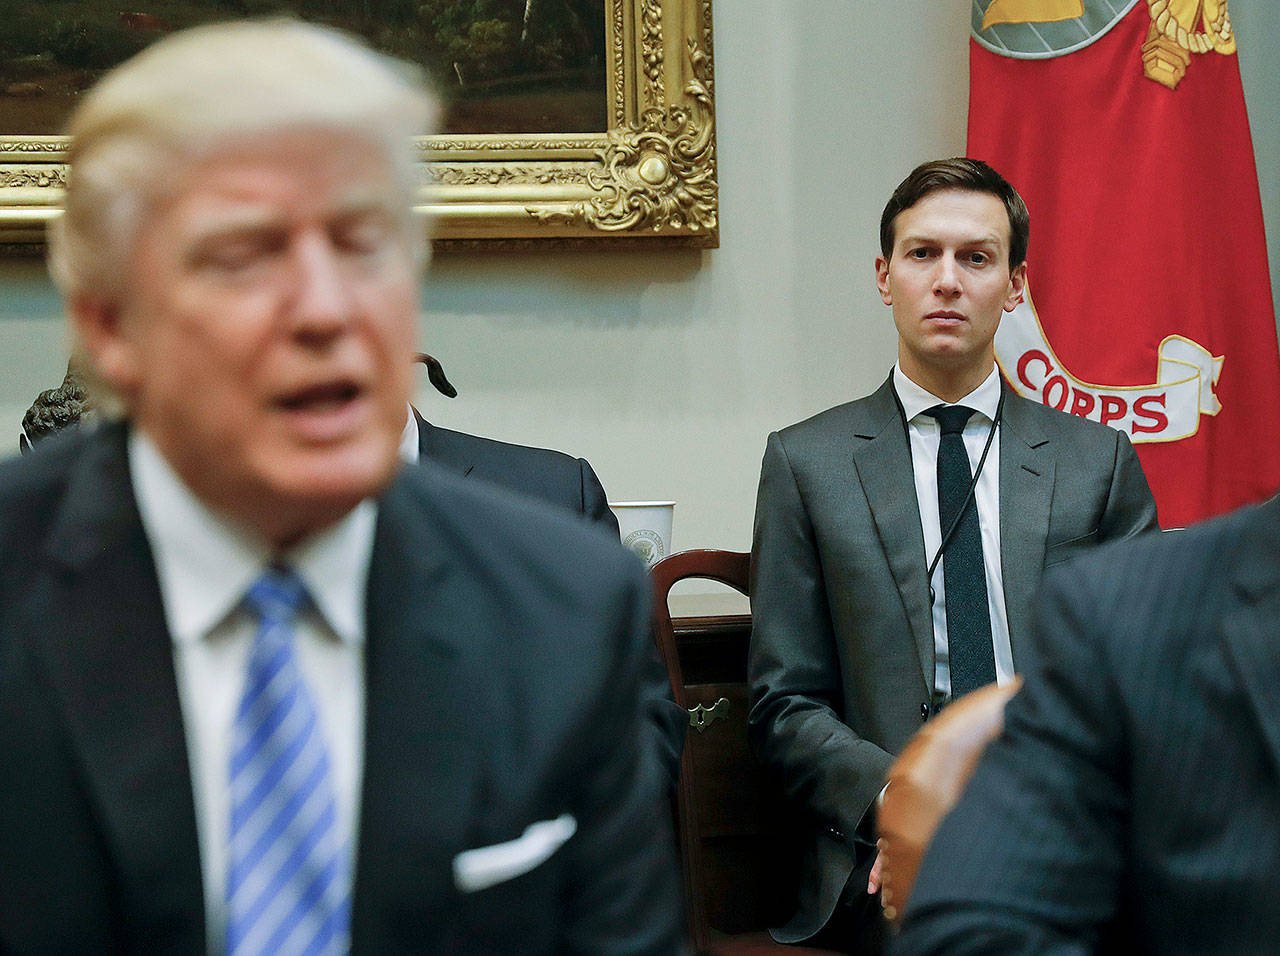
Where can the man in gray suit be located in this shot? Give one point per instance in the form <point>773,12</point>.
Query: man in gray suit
<point>862,629</point>
<point>1131,804</point>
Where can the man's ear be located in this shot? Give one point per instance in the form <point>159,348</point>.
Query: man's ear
<point>1017,287</point>
<point>100,330</point>
<point>882,279</point>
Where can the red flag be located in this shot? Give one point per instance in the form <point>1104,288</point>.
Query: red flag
<point>1123,126</point>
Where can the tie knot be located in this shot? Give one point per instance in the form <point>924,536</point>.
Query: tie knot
<point>951,418</point>
<point>276,596</point>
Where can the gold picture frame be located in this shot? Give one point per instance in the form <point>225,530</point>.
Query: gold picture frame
<point>650,176</point>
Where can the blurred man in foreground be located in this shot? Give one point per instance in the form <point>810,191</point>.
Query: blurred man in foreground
<point>261,690</point>
<point>1131,804</point>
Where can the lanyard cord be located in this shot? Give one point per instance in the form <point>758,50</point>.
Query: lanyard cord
<point>973,485</point>
<point>968,498</point>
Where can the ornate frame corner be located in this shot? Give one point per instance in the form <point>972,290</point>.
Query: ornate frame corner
<point>650,176</point>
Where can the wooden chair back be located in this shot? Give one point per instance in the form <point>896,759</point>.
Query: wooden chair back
<point>732,851</point>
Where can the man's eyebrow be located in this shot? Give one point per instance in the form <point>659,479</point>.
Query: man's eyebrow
<point>241,223</point>
<point>236,223</point>
<point>912,239</point>
<point>201,246</point>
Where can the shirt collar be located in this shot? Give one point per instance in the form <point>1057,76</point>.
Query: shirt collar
<point>915,400</point>
<point>206,564</point>
<point>409,448</point>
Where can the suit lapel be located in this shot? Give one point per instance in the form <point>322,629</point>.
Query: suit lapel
<point>1249,622</point>
<point>110,660</point>
<point>420,764</point>
<point>882,457</point>
<point>1026,492</point>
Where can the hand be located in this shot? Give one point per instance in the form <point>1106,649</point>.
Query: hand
<point>873,882</point>
<point>924,784</point>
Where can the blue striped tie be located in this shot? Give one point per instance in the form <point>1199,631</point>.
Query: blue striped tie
<point>288,885</point>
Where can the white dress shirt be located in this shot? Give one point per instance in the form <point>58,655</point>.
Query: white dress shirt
<point>205,566</point>
<point>410,450</point>
<point>925,435</point>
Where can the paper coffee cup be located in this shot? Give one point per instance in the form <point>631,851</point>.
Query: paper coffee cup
<point>645,527</point>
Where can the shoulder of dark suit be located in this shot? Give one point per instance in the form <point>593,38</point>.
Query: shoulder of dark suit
<point>486,518</point>
<point>446,442</point>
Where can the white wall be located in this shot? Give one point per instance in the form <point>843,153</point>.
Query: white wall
<point>667,369</point>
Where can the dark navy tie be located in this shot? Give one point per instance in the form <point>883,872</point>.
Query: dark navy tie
<point>288,886</point>
<point>964,575</point>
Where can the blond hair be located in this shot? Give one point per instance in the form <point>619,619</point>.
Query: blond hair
<point>176,100</point>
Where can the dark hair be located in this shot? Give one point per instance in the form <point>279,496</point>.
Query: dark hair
<point>959,173</point>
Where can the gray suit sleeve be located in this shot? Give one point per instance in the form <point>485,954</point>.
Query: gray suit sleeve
<point>1031,859</point>
<point>796,721</point>
<point>1130,507</point>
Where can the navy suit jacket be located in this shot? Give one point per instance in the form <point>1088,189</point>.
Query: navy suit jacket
<point>569,483</point>
<point>1133,803</point>
<point>551,476</point>
<point>504,653</point>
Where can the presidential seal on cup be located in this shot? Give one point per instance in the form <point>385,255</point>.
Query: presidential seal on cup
<point>645,527</point>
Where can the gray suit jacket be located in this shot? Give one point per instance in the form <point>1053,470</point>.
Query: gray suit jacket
<point>503,657</point>
<point>842,650</point>
<point>1132,804</point>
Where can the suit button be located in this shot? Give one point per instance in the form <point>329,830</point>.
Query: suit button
<point>924,711</point>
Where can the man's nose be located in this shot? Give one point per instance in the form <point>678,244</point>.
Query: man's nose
<point>322,300</point>
<point>946,279</point>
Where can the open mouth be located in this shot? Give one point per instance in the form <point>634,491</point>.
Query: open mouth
<point>325,411</point>
<point>322,398</point>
